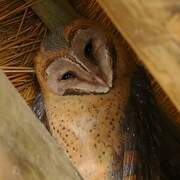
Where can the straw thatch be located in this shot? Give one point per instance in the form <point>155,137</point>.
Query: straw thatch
<point>21,32</point>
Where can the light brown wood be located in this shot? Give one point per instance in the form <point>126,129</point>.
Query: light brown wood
<point>27,151</point>
<point>152,28</point>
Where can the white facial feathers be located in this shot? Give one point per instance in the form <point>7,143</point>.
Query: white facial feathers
<point>87,67</point>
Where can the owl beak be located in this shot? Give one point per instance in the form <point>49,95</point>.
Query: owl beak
<point>101,81</point>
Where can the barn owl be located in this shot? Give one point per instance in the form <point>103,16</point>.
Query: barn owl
<point>85,81</point>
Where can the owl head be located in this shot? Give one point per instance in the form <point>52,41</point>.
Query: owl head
<point>77,59</point>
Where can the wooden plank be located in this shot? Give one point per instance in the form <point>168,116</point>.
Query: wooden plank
<point>54,13</point>
<point>152,28</point>
<point>27,151</point>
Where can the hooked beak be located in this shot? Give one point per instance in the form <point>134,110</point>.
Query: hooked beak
<point>102,85</point>
<point>101,81</point>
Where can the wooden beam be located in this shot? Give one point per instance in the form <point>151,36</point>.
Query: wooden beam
<point>54,13</point>
<point>27,151</point>
<point>152,28</point>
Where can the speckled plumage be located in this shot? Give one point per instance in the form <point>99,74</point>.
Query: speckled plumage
<point>88,127</point>
<point>96,130</point>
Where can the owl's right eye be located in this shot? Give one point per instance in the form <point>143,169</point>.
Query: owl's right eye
<point>68,75</point>
<point>88,49</point>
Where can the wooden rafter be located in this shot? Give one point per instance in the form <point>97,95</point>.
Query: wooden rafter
<point>152,28</point>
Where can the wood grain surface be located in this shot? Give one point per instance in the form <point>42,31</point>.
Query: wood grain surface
<point>152,28</point>
<point>27,150</point>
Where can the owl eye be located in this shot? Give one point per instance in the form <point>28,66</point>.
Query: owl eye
<point>68,75</point>
<point>88,49</point>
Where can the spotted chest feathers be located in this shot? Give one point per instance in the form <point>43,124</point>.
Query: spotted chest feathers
<point>88,125</point>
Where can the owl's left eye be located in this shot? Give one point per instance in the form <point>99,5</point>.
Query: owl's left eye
<point>68,75</point>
